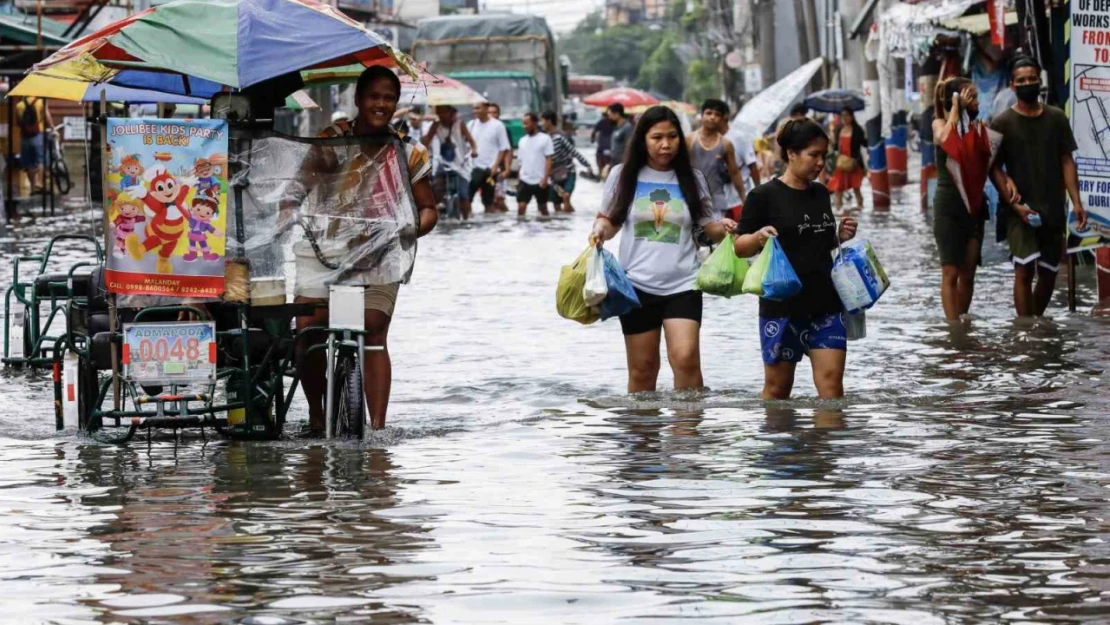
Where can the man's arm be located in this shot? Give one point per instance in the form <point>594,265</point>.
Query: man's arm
<point>547,170</point>
<point>753,169</point>
<point>1071,183</point>
<point>425,200</point>
<point>49,117</point>
<point>426,140</point>
<point>734,171</point>
<point>469,138</point>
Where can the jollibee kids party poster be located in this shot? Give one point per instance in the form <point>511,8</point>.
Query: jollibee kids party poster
<point>166,202</point>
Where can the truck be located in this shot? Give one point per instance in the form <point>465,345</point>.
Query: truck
<point>510,59</point>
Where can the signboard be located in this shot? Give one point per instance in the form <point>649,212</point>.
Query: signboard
<point>753,79</point>
<point>1090,119</point>
<point>166,206</point>
<point>74,128</point>
<point>170,352</point>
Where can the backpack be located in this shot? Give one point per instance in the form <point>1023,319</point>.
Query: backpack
<point>29,118</point>
<point>447,149</point>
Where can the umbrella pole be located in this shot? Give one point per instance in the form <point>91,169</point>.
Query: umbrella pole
<point>113,312</point>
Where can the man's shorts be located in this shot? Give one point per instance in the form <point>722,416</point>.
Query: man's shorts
<point>1045,245</point>
<point>31,152</point>
<point>479,182</point>
<point>381,297</point>
<point>566,185</point>
<point>462,186</point>
<point>655,308</point>
<point>785,339</point>
<point>525,192</point>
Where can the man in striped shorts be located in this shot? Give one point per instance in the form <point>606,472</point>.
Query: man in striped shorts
<point>563,173</point>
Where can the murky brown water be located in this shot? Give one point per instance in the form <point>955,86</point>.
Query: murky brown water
<point>964,479</point>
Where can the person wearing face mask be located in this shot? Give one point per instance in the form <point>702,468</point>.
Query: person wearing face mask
<point>1036,151</point>
<point>959,207</point>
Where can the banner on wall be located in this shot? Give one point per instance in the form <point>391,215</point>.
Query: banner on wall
<point>166,205</point>
<point>1090,119</point>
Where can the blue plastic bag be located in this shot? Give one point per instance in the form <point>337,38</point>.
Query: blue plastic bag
<point>621,298</point>
<point>780,282</point>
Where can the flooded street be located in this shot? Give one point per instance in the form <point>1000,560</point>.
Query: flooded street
<point>963,480</point>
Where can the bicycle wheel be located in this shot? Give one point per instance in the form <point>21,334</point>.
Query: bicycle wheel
<point>62,183</point>
<point>349,420</point>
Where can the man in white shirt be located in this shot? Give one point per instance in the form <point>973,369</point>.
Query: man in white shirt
<point>494,150</point>
<point>536,151</point>
<point>748,163</point>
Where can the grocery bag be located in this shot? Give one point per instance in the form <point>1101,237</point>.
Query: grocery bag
<point>780,282</point>
<point>568,294</point>
<point>595,289</point>
<point>718,272</point>
<point>622,298</point>
<point>753,282</point>
<point>858,277</point>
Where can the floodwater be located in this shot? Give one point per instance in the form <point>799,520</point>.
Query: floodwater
<point>963,480</point>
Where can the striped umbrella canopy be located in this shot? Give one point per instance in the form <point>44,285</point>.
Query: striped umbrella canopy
<point>199,47</point>
<point>425,89</point>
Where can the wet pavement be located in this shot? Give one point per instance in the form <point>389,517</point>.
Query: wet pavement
<point>963,480</point>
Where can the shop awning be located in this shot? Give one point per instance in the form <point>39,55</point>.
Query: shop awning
<point>977,24</point>
<point>24,29</point>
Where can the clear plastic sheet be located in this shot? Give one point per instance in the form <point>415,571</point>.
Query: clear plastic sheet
<point>309,213</point>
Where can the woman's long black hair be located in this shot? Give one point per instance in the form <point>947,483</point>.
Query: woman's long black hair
<point>636,158</point>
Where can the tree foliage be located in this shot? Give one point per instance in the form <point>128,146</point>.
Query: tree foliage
<point>644,55</point>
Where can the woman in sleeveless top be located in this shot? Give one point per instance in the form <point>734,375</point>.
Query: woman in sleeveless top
<point>963,164</point>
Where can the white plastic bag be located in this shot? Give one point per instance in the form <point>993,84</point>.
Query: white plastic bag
<point>858,277</point>
<point>595,289</point>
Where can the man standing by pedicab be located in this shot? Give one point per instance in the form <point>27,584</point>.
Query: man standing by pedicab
<point>376,95</point>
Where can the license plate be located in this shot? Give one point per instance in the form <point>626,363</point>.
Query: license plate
<point>170,352</point>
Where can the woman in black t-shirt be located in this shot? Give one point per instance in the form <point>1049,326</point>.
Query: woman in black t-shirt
<point>798,211</point>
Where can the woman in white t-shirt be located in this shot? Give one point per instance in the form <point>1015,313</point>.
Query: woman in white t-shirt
<point>656,200</point>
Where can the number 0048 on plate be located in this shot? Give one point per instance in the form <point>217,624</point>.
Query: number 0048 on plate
<point>169,352</point>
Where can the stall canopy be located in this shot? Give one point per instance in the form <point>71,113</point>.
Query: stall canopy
<point>197,47</point>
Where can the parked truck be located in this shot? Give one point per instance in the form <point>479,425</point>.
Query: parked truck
<point>508,58</point>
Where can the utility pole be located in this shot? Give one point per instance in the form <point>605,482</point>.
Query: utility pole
<point>813,43</point>
<point>765,12</point>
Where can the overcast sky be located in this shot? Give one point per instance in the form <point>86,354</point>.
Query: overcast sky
<point>562,15</point>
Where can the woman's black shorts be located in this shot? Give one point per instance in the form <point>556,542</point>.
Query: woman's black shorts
<point>655,308</point>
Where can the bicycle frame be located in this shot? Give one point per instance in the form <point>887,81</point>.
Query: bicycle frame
<point>346,319</point>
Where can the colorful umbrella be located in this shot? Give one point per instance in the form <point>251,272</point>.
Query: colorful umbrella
<point>196,47</point>
<point>835,100</point>
<point>681,108</point>
<point>621,95</point>
<point>426,89</point>
<point>84,91</point>
<point>431,90</point>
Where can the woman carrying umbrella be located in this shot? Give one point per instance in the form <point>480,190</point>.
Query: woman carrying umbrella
<point>848,158</point>
<point>964,154</point>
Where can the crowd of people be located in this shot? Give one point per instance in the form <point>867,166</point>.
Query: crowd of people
<point>1025,153</point>
<point>474,159</point>
<point>667,194</point>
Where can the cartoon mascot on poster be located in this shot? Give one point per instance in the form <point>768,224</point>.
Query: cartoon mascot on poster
<point>164,197</point>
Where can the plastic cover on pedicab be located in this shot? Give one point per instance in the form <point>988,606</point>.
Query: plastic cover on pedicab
<point>322,212</point>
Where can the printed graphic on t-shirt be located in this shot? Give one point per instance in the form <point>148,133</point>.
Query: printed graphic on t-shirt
<point>826,224</point>
<point>655,203</point>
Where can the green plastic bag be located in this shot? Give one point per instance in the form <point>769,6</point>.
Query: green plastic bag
<point>753,282</point>
<point>718,273</point>
<point>568,294</point>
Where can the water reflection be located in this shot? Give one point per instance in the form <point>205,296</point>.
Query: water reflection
<point>963,480</point>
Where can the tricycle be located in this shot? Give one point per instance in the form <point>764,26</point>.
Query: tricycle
<point>325,216</point>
